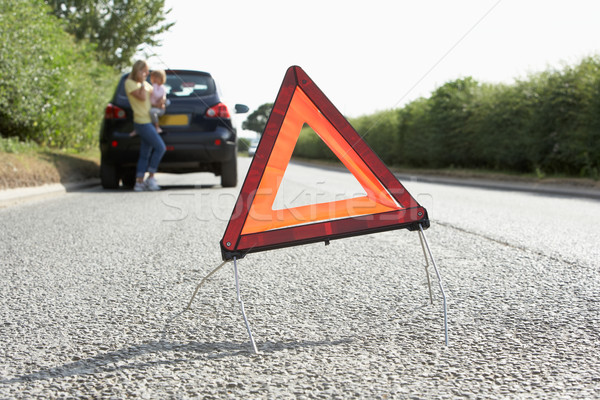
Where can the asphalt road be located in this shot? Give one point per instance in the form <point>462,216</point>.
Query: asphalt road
<point>94,284</point>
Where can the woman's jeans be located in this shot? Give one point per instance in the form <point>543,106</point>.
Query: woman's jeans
<point>152,149</point>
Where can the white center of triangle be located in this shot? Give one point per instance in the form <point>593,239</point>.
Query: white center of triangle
<point>326,186</point>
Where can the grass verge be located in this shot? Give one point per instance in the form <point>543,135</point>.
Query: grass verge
<point>28,164</point>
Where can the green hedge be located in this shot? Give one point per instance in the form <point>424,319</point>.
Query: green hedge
<point>548,123</point>
<point>309,145</point>
<point>52,91</point>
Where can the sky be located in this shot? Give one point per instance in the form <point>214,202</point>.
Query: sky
<point>370,56</point>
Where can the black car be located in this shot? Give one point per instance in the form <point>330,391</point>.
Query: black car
<point>197,131</point>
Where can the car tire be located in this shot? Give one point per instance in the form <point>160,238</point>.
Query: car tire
<point>229,172</point>
<point>109,176</point>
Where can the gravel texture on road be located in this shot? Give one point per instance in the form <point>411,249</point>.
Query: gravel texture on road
<point>94,286</point>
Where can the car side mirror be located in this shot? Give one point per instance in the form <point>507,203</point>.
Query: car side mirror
<point>241,108</point>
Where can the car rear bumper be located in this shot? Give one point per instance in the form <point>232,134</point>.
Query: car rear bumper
<point>189,151</point>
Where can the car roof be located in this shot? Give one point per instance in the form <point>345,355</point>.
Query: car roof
<point>186,71</point>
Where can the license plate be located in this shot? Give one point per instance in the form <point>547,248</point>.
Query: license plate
<point>173,119</point>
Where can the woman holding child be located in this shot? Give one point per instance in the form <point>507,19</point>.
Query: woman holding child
<point>152,147</point>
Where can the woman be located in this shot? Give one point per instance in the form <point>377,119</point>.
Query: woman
<point>152,147</point>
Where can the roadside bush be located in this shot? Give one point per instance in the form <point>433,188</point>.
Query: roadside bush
<point>311,146</point>
<point>52,91</point>
<point>498,129</point>
<point>380,131</point>
<point>565,121</point>
<point>415,135</point>
<point>548,123</point>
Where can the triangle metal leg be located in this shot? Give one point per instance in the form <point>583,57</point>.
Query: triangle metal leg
<point>424,241</point>
<point>239,298</point>
<point>202,283</point>
<point>426,268</point>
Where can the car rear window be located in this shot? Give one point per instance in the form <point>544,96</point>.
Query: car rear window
<point>178,85</point>
<point>189,85</point>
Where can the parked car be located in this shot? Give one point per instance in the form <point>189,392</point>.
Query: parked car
<point>252,147</point>
<point>197,131</point>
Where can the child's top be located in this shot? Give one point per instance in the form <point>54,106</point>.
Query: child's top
<point>158,93</point>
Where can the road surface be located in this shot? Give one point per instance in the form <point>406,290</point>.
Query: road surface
<point>94,284</point>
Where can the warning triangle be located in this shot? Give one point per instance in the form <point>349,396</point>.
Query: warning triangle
<point>254,224</point>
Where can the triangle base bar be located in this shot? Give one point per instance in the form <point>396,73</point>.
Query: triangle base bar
<point>412,219</point>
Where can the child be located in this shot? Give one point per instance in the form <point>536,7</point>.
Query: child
<point>158,98</point>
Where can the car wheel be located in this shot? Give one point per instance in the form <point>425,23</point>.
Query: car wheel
<point>229,172</point>
<point>128,177</point>
<point>109,176</point>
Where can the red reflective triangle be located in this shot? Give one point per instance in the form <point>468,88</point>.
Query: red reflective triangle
<point>254,225</point>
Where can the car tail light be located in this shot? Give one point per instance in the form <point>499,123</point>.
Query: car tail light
<point>218,111</point>
<point>114,112</point>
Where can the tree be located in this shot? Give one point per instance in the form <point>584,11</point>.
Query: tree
<point>45,80</point>
<point>116,28</point>
<point>258,119</point>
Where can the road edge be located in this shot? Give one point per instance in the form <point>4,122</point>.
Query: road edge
<point>492,184</point>
<point>11,197</point>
